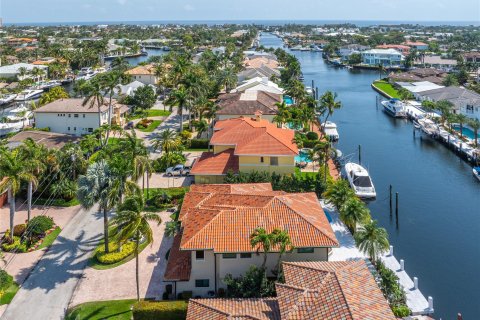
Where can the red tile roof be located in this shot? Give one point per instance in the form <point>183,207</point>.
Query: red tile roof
<point>224,220</point>
<point>235,309</point>
<point>240,104</point>
<point>254,137</point>
<point>179,262</point>
<point>215,164</point>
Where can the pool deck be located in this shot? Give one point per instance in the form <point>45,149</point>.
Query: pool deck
<point>416,301</point>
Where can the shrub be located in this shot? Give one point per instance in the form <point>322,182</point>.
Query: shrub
<point>401,311</point>
<point>199,143</point>
<point>312,135</point>
<point>165,310</point>
<point>6,280</point>
<point>19,229</point>
<point>168,160</point>
<point>114,255</point>
<point>11,245</point>
<point>39,225</point>
<point>162,199</point>
<point>309,143</point>
<point>185,136</point>
<point>142,124</point>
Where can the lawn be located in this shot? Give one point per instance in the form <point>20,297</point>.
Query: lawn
<point>152,126</point>
<point>58,202</point>
<point>150,113</point>
<point>8,295</point>
<point>95,264</point>
<point>303,175</point>
<point>387,88</point>
<point>117,309</point>
<point>49,238</point>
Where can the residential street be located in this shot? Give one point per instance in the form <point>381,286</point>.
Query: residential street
<point>46,292</point>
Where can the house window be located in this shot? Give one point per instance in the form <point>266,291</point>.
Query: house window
<point>229,256</point>
<point>75,115</point>
<point>245,255</point>
<point>261,159</point>
<point>69,115</point>
<point>305,250</point>
<point>202,283</point>
<point>74,128</point>
<point>274,161</point>
<point>84,115</point>
<point>90,129</point>
<point>200,255</point>
<point>68,128</point>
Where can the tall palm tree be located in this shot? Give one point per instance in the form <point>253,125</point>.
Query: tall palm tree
<point>338,192</point>
<point>261,239</point>
<point>381,70</point>
<point>94,98</point>
<point>12,174</point>
<point>462,119</point>
<point>120,64</point>
<point>22,72</point>
<point>167,141</point>
<point>281,238</point>
<point>329,104</point>
<point>32,155</point>
<point>96,186</point>
<point>354,212</point>
<point>475,124</point>
<point>130,222</point>
<point>110,82</point>
<point>136,153</point>
<point>178,97</point>
<point>228,79</point>
<point>372,240</point>
<point>201,126</point>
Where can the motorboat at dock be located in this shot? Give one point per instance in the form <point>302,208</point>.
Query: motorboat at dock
<point>360,180</point>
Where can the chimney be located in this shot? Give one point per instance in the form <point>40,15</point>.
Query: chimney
<point>265,80</point>
<point>258,115</point>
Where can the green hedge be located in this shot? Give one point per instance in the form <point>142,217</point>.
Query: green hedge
<point>15,245</point>
<point>39,225</point>
<point>312,135</point>
<point>6,280</point>
<point>165,310</point>
<point>114,255</point>
<point>401,311</point>
<point>199,143</point>
<point>309,143</point>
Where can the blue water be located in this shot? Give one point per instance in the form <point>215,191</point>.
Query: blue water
<point>467,132</point>
<point>288,100</point>
<point>302,157</point>
<point>439,197</point>
<point>328,216</point>
<point>293,126</point>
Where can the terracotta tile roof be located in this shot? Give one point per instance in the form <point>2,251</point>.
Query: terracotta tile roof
<point>247,103</point>
<point>75,105</point>
<point>233,309</point>
<point>258,62</point>
<point>331,290</point>
<point>223,221</point>
<point>254,137</point>
<point>148,69</point>
<point>215,164</point>
<point>179,262</point>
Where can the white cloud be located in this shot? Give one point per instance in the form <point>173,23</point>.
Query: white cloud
<point>188,7</point>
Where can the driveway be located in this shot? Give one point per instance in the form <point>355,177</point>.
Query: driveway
<point>119,282</point>
<point>46,292</point>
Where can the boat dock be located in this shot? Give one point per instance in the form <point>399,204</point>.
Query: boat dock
<point>415,300</point>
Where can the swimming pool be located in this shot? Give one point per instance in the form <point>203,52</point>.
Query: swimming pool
<point>329,218</point>
<point>302,157</point>
<point>467,132</point>
<point>291,125</point>
<point>288,100</point>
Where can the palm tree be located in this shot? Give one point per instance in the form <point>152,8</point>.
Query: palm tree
<point>32,155</point>
<point>22,72</point>
<point>130,222</point>
<point>372,240</point>
<point>201,126</point>
<point>172,228</point>
<point>475,124</point>
<point>94,98</point>
<point>228,79</point>
<point>179,98</point>
<point>462,119</point>
<point>37,73</point>
<point>109,83</point>
<point>13,173</point>
<point>167,141</point>
<point>136,153</point>
<point>353,212</point>
<point>281,238</point>
<point>381,70</point>
<point>338,192</point>
<point>261,239</point>
<point>328,103</point>
<point>120,63</point>
<point>96,186</point>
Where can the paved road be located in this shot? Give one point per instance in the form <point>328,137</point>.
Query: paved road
<point>48,289</point>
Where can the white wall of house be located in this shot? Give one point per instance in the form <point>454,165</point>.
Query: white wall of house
<point>145,78</point>
<point>69,123</point>
<point>471,111</point>
<point>386,57</point>
<point>205,269</point>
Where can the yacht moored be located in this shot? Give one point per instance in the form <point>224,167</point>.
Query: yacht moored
<point>4,99</point>
<point>476,172</point>
<point>28,95</point>
<point>395,108</point>
<point>360,180</point>
<point>330,130</point>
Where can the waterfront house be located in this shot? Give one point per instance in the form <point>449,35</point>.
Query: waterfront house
<point>417,45</point>
<point>13,71</point>
<point>437,62</point>
<point>405,50</point>
<point>145,74</point>
<point>69,116</point>
<point>216,224</point>
<point>246,104</point>
<point>259,61</point>
<point>416,88</point>
<point>246,144</point>
<point>259,84</point>
<point>419,74</point>
<point>385,57</point>
<point>50,140</point>
<point>346,51</point>
<point>471,57</point>
<point>312,290</point>
<point>263,71</point>
<point>466,102</point>
<point>129,89</point>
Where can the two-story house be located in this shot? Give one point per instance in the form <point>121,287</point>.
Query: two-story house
<point>145,74</point>
<point>70,116</point>
<point>246,144</point>
<point>384,57</point>
<point>234,105</point>
<point>217,222</point>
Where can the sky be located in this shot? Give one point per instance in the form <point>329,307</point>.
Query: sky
<point>18,11</point>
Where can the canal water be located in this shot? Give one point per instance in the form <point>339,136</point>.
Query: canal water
<point>439,198</point>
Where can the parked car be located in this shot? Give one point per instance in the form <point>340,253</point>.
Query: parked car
<point>186,170</point>
<point>174,171</point>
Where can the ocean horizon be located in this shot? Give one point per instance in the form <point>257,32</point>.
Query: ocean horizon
<point>359,23</point>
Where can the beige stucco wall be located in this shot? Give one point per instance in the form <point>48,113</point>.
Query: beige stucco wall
<point>220,148</point>
<point>201,269</point>
<point>60,122</point>
<point>145,78</point>
<point>253,163</point>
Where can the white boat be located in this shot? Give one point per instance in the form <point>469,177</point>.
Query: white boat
<point>360,181</point>
<point>428,127</point>
<point>4,99</point>
<point>476,172</point>
<point>28,95</point>
<point>395,108</point>
<point>330,130</point>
